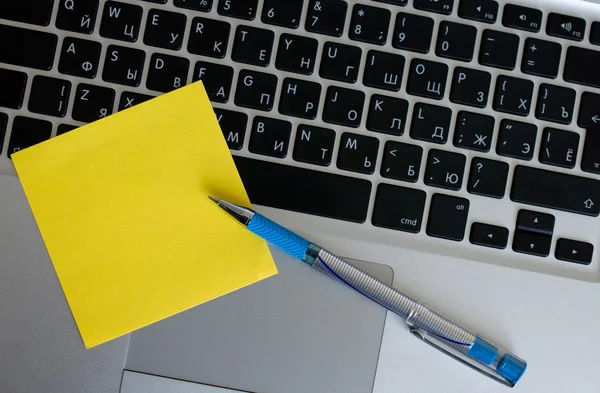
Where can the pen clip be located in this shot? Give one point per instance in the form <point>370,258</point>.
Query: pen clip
<point>458,356</point>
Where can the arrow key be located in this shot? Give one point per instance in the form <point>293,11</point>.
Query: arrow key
<point>574,251</point>
<point>529,243</point>
<point>488,235</point>
<point>535,222</point>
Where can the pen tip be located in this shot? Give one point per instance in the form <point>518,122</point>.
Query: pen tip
<point>215,200</point>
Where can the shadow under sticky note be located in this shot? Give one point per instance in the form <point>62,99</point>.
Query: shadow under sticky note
<point>122,205</point>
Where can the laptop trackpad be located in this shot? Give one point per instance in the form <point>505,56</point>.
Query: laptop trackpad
<point>295,332</point>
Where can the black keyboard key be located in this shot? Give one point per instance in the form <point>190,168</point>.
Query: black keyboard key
<point>77,16</point>
<point>167,73</point>
<point>92,103</point>
<point>456,41</point>
<point>541,58</point>
<point>3,122</point>
<point>343,106</point>
<point>37,12</point>
<point>473,131</point>
<point>430,123</point>
<point>49,96</point>
<point>165,29</point>
<point>196,5</point>
<point>297,54</point>
<point>27,132</point>
<point>209,37</point>
<point>314,145</point>
<point>130,99</point>
<point>233,125</point>
<point>590,160</point>
<point>574,251</point>
<point>156,1</point>
<point>427,79</point>
<point>387,114</point>
<point>516,139</point>
<point>340,62</point>
<point>565,26</point>
<point>384,70</point>
<point>282,13</point>
<point>470,87</point>
<point>121,21</point>
<point>241,9</point>
<point>522,18</point>
<point>123,65</point>
<point>12,86</point>
<point>38,52</point>
<point>412,32</point>
<point>253,46</point>
<point>535,222</point>
<point>256,90</point>
<point>513,95</point>
<point>589,110</point>
<point>581,66</point>
<point>64,128</point>
<point>532,244</point>
<point>270,137</point>
<point>499,49</point>
<point>285,188</point>
<point>559,147</point>
<point>488,178</point>
<point>488,235</point>
<point>216,78</point>
<point>299,98</point>
<point>595,33</point>
<point>556,191</point>
<point>401,161</point>
<point>79,57</point>
<point>555,104</point>
<point>438,6</point>
<point>369,24</point>
<point>448,217</point>
<point>445,169</point>
<point>479,10</point>
<point>399,208</point>
<point>357,153</point>
<point>326,17</point>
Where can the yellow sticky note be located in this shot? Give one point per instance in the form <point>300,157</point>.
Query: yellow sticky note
<point>122,205</point>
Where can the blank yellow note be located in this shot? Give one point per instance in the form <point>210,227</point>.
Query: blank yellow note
<point>122,205</point>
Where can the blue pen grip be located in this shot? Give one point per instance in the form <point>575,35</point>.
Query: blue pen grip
<point>278,236</point>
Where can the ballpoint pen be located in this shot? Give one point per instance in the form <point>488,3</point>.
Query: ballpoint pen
<point>424,323</point>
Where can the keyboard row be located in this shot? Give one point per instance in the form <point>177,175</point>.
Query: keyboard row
<point>323,17</point>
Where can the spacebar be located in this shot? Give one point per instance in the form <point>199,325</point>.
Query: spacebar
<point>305,191</point>
<point>556,190</point>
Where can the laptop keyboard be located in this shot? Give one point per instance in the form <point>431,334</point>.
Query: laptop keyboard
<point>391,109</point>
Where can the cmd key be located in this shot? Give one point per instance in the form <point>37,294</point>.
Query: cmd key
<point>556,191</point>
<point>38,53</point>
<point>390,213</point>
<point>36,12</point>
<point>285,188</point>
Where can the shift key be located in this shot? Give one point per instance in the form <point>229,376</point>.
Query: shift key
<point>27,48</point>
<point>556,190</point>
